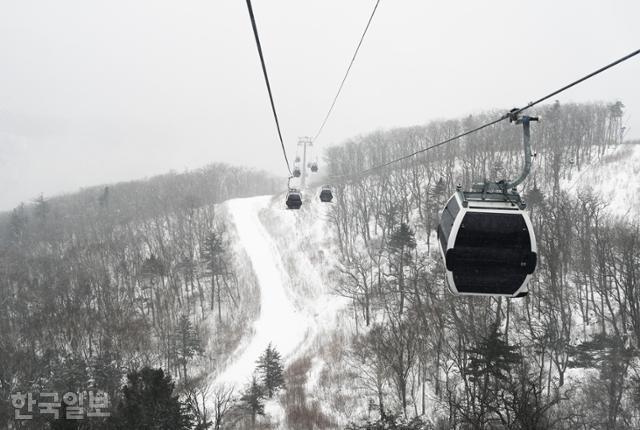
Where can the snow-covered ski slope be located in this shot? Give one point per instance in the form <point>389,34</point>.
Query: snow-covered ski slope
<point>615,178</point>
<point>294,302</point>
<point>279,321</point>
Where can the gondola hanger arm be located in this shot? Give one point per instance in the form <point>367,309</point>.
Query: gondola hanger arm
<point>525,120</point>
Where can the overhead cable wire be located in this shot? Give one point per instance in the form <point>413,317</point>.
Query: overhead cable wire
<point>428,148</point>
<point>511,114</point>
<point>576,82</point>
<point>266,79</point>
<point>344,79</point>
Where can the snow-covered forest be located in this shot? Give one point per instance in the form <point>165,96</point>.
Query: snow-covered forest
<point>563,357</point>
<point>337,315</point>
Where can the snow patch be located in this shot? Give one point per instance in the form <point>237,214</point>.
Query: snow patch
<point>615,178</point>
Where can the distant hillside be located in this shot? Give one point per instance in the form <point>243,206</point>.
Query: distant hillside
<point>140,199</point>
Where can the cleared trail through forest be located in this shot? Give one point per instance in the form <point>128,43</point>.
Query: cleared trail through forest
<point>279,321</point>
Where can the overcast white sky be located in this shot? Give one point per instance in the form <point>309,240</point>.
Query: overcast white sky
<point>94,91</point>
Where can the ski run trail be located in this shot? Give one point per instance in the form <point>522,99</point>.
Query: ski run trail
<point>294,307</point>
<point>279,322</point>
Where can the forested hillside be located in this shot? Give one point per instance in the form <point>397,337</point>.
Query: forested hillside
<point>566,356</point>
<point>98,285</point>
<point>102,282</point>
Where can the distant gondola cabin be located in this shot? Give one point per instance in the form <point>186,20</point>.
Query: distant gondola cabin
<point>294,199</point>
<point>326,194</point>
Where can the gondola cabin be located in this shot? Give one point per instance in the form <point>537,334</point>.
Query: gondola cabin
<point>296,172</point>
<point>487,244</point>
<point>294,199</point>
<point>326,195</point>
<point>314,167</point>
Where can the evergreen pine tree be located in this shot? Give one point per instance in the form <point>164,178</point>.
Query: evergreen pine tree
<point>439,192</point>
<point>271,370</point>
<point>149,403</point>
<point>253,400</point>
<point>187,342</point>
<point>402,241</point>
<point>492,357</point>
